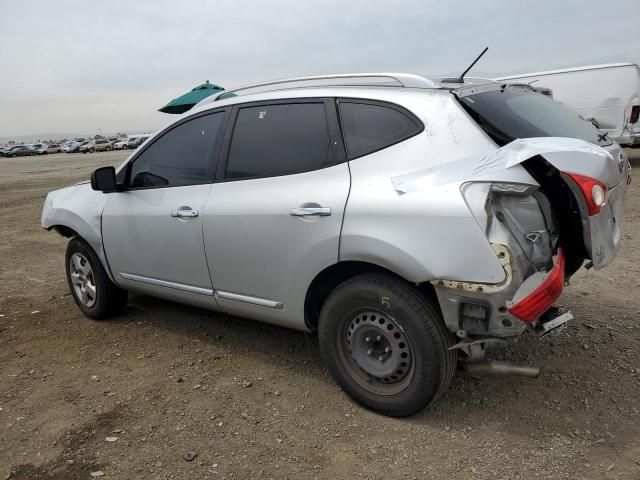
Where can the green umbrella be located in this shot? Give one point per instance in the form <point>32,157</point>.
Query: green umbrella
<point>189,99</point>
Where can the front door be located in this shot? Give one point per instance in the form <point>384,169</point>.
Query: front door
<point>273,220</point>
<point>152,231</point>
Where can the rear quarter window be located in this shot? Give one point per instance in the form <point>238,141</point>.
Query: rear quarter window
<point>371,126</point>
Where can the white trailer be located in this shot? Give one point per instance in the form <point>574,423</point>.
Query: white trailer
<point>607,95</point>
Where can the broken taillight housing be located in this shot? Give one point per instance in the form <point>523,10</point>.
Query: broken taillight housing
<point>594,191</point>
<point>531,307</point>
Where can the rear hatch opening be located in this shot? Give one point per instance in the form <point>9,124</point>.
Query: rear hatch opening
<point>566,209</point>
<point>572,181</point>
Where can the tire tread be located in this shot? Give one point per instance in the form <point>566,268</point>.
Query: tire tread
<point>424,308</point>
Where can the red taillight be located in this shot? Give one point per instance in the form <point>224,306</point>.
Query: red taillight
<point>635,114</point>
<point>537,302</point>
<point>593,191</point>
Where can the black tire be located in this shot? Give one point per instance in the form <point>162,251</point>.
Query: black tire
<point>91,150</point>
<point>109,299</point>
<point>388,305</point>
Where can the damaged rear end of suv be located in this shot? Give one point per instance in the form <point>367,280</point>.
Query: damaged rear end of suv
<point>549,201</point>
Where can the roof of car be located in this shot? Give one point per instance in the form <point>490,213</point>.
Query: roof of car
<point>365,84</point>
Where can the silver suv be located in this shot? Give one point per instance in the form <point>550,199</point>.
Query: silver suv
<point>410,222</point>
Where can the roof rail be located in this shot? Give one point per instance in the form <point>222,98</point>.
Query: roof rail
<point>406,80</point>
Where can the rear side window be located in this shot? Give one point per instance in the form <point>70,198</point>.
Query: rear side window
<point>182,156</point>
<point>368,127</point>
<point>282,139</point>
<point>517,111</point>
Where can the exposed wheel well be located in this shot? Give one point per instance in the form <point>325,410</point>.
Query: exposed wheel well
<point>65,231</point>
<point>327,280</point>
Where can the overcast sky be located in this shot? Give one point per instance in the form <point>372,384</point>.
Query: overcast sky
<point>80,66</point>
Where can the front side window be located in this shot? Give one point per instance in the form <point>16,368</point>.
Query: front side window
<point>182,156</point>
<point>280,139</point>
<point>369,127</point>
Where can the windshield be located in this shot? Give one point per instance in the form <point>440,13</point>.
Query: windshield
<point>517,111</point>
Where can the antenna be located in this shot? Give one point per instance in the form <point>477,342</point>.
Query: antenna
<point>460,79</point>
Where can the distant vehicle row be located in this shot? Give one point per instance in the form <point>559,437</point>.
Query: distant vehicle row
<point>74,146</point>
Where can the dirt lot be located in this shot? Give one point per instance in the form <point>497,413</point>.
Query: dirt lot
<point>255,401</point>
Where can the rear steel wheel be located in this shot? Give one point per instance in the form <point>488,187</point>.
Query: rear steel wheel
<point>386,344</point>
<point>381,354</point>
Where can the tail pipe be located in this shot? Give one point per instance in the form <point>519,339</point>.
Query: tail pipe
<point>485,367</point>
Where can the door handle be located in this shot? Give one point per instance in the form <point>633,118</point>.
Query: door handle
<point>310,212</point>
<point>184,212</point>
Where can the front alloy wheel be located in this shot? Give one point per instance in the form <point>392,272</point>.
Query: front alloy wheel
<point>84,284</point>
<point>94,293</point>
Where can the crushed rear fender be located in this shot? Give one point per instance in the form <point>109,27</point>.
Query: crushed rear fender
<point>542,161</point>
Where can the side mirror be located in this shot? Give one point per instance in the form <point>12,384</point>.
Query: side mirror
<point>104,179</point>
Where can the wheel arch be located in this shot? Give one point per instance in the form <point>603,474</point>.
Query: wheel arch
<point>64,231</point>
<point>332,276</point>
<point>82,230</point>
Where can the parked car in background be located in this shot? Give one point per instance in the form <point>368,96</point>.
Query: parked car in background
<point>44,149</point>
<point>21,151</point>
<point>121,144</point>
<point>411,226</point>
<point>113,141</point>
<point>4,150</point>
<point>137,141</point>
<point>606,95</point>
<point>67,146</point>
<point>86,147</point>
<point>102,145</point>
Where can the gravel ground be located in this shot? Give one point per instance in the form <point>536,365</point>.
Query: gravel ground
<point>138,396</point>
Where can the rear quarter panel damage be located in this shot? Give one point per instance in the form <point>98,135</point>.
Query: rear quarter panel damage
<point>427,234</point>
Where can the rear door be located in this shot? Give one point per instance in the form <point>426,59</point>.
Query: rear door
<point>273,219</point>
<point>152,231</point>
